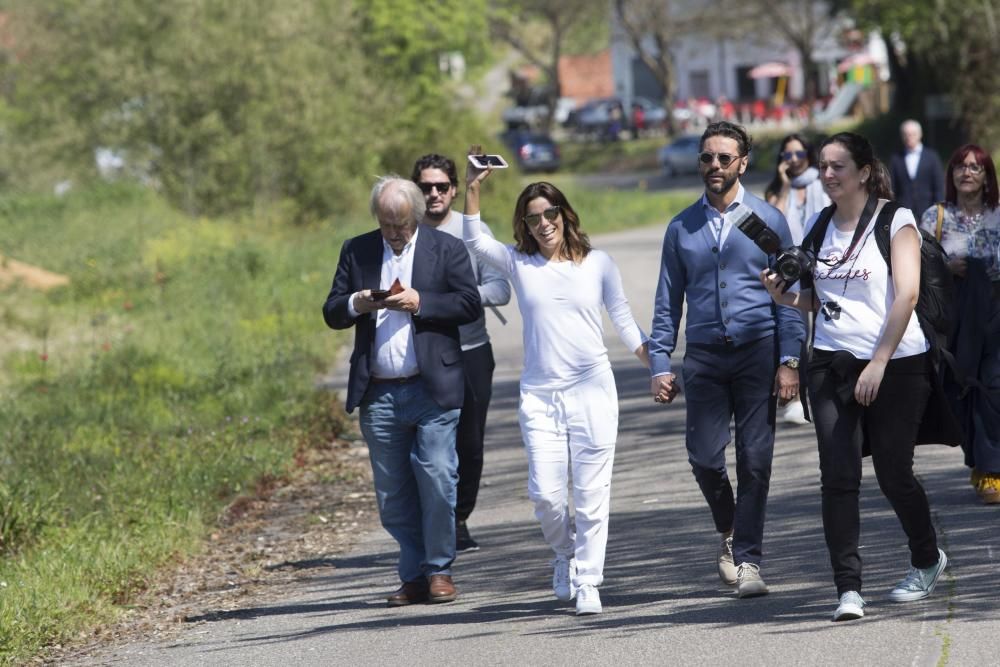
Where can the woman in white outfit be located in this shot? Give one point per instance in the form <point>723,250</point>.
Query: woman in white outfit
<point>569,404</point>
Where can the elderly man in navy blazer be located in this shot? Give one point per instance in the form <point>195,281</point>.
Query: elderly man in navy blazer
<point>917,175</point>
<point>741,352</point>
<point>405,289</point>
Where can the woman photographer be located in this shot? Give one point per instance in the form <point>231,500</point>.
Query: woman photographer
<point>869,375</point>
<point>967,224</point>
<point>569,403</point>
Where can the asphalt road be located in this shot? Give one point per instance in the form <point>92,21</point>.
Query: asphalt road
<point>663,603</point>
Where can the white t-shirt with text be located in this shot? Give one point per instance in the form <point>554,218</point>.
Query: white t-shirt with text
<point>856,295</point>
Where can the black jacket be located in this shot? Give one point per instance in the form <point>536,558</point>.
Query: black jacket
<point>449,296</point>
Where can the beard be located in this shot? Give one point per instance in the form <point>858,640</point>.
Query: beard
<point>437,216</point>
<point>719,187</point>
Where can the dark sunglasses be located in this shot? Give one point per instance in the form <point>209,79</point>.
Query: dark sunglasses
<point>788,155</point>
<point>725,159</point>
<point>441,187</point>
<point>535,219</point>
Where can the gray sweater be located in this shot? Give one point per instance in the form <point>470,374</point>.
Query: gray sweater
<point>494,290</point>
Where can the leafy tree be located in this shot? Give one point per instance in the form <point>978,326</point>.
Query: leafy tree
<point>949,46</point>
<point>233,105</point>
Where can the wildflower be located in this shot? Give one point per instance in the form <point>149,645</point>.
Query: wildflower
<point>43,356</point>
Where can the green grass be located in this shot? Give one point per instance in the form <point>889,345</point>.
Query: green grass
<point>175,370</point>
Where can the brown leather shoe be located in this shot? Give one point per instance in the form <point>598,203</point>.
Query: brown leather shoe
<point>441,589</point>
<point>411,592</point>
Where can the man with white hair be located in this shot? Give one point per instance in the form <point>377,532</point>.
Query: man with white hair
<point>405,289</point>
<point>917,176</point>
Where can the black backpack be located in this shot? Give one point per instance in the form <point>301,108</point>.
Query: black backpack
<point>936,303</point>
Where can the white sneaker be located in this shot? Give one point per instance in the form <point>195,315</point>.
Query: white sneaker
<point>793,413</point>
<point>588,600</point>
<point>851,607</point>
<point>748,581</point>
<point>918,584</point>
<point>727,568</point>
<point>563,571</point>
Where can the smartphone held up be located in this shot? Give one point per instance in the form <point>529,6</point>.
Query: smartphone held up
<point>488,161</point>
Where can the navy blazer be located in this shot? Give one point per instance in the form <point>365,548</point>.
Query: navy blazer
<point>725,297</point>
<point>449,296</point>
<point>919,193</point>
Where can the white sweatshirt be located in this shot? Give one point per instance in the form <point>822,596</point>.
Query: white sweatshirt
<point>560,304</point>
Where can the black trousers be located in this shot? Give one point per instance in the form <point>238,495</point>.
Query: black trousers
<point>723,382</point>
<point>479,365</point>
<point>888,427</point>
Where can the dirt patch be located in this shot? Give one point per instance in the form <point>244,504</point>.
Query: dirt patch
<point>13,271</point>
<point>263,544</point>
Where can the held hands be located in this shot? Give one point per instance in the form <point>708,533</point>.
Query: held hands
<point>868,383</point>
<point>664,388</point>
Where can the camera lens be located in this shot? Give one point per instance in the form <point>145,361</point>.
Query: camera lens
<point>788,268</point>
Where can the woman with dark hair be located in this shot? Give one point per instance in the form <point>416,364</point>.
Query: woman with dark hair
<point>967,224</point>
<point>569,403</point>
<point>796,189</point>
<point>869,374</point>
<point>797,192</point>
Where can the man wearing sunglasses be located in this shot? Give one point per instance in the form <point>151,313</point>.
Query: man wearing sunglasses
<point>437,178</point>
<point>405,289</point>
<point>742,351</point>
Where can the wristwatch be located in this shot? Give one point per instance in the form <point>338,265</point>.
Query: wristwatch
<point>791,362</point>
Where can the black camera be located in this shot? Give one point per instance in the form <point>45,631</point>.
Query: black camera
<point>790,263</point>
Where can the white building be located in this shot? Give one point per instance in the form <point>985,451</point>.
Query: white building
<point>709,66</point>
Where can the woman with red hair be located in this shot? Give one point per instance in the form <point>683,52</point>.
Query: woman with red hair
<point>967,224</point>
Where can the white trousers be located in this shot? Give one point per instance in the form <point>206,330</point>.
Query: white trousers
<point>573,427</point>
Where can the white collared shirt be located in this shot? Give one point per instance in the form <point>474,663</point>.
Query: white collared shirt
<point>395,355</point>
<point>721,226</point>
<point>912,159</point>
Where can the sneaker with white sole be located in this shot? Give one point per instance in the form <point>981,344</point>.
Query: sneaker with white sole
<point>588,600</point>
<point>851,606</point>
<point>919,583</point>
<point>563,571</point>
<point>727,568</point>
<point>748,581</point>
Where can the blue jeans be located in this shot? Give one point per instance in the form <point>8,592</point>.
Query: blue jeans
<point>411,444</point>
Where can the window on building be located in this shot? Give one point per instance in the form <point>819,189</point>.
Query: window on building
<point>746,88</point>
<point>698,83</point>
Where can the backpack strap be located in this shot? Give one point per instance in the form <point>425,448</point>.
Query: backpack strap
<point>883,224</point>
<point>940,221</point>
<point>814,239</point>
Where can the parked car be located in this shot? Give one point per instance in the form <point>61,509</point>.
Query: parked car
<point>680,156</point>
<point>595,117</point>
<point>533,151</point>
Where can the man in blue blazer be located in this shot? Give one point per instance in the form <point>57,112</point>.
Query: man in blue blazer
<point>917,175</point>
<point>405,289</point>
<point>741,350</point>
